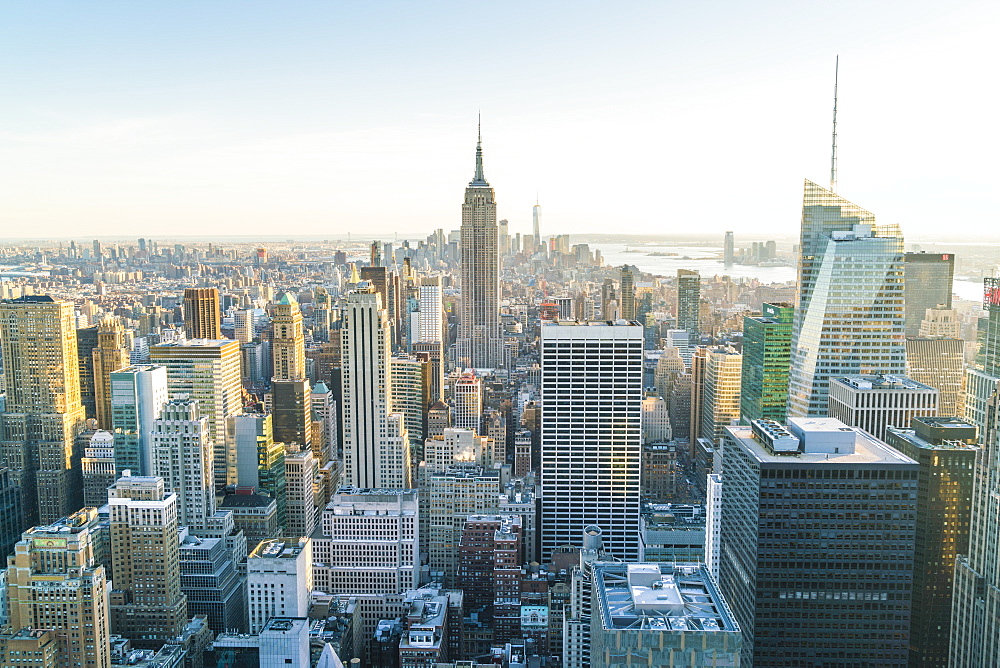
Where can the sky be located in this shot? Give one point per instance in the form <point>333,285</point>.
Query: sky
<point>321,118</point>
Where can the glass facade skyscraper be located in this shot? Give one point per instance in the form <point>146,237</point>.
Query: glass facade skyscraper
<point>816,544</point>
<point>767,348</point>
<point>849,316</point>
<point>689,302</point>
<point>927,283</point>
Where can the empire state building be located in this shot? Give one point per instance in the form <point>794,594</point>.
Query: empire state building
<point>480,344</point>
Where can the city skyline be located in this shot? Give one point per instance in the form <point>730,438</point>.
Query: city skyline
<point>271,123</point>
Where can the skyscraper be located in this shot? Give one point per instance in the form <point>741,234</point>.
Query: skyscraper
<point>536,224</point>
<point>721,393</point>
<point>208,371</point>
<point>807,584</point>
<point>946,450</point>
<point>849,315</point>
<point>729,250</point>
<point>54,583</point>
<point>767,349</point>
<point>183,458</point>
<point>480,344</point>
<point>288,342</point>
<point>877,402</point>
<point>689,303</point>
<point>43,410</point>
<point>375,446</point>
<point>591,434</point>
<point>627,299</point>
<point>927,283</point>
<point>147,605</point>
<point>111,354</point>
<point>975,637</point>
<point>138,394</point>
<point>202,317</point>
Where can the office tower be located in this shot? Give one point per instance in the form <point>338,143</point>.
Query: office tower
<point>409,394</point>
<point>626,302</point>
<point>288,341</point>
<point>369,544</point>
<point>182,458</point>
<point>591,433</point>
<point>98,468</point>
<point>138,394</point>
<point>728,250</point>
<point>713,523</point>
<point>279,580</point>
<point>480,344</point>
<point>467,396</point>
<point>504,237</point>
<point>940,322</point>
<point>86,342</point>
<point>975,638</point>
<point>805,584</point>
<point>208,371</point>
<point>243,325</point>
<point>946,450</point>
<point>326,421</point>
<point>609,300</point>
<point>202,317</point>
<point>211,583</point>
<point>876,402</point>
<point>43,411</point>
<point>260,462</point>
<point>721,392</point>
<point>699,367</point>
<point>378,277</point>
<point>767,350</point>
<point>488,544</point>
<point>450,496</point>
<point>147,604</point>
<point>435,360</point>
<point>11,512</point>
<point>689,302</point>
<point>536,224</point>
<point>939,363</point>
<point>655,420</point>
<point>291,407</point>
<point>300,501</point>
<point>53,582</point>
<point>111,354</point>
<point>849,315</point>
<point>431,315</point>
<point>670,615</point>
<point>375,443</point>
<point>927,283</point>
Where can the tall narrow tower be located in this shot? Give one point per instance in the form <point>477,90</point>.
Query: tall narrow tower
<point>849,316</point>
<point>376,453</point>
<point>479,342</point>
<point>44,412</point>
<point>202,317</point>
<point>536,220</point>
<point>111,354</point>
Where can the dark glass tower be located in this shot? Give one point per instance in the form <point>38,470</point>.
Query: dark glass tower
<point>927,282</point>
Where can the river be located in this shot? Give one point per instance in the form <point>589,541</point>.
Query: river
<point>705,259</point>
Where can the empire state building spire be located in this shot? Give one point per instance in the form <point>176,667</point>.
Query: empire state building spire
<point>479,179</point>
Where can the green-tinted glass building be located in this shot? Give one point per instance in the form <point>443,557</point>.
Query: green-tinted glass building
<point>767,348</point>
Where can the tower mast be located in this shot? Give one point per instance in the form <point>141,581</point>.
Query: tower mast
<point>833,155</point>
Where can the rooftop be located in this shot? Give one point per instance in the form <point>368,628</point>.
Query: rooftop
<point>881,382</point>
<point>660,597</point>
<point>822,441</point>
<point>279,548</point>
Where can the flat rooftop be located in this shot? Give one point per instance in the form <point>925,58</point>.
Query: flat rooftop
<point>867,449</point>
<point>882,383</point>
<point>278,548</point>
<point>671,598</point>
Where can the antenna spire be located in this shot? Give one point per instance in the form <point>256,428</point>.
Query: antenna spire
<point>479,179</point>
<point>833,155</point>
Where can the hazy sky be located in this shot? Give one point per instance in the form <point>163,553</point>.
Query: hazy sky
<point>146,118</point>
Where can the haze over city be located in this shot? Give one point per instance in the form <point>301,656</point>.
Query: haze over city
<point>652,118</point>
